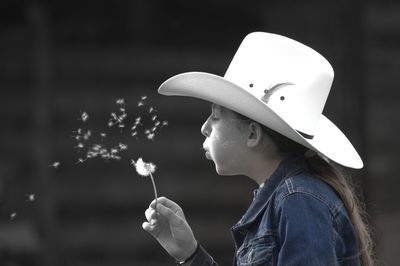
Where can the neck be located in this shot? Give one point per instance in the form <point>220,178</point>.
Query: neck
<point>261,170</point>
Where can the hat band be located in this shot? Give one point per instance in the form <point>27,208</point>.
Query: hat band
<point>304,135</point>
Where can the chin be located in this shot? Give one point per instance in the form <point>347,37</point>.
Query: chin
<point>225,172</point>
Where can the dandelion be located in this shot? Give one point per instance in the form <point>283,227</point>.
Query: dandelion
<point>13,215</point>
<point>146,169</point>
<point>55,165</point>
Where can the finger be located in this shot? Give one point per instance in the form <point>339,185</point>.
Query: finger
<point>150,214</point>
<point>148,227</point>
<point>167,214</point>
<point>166,202</point>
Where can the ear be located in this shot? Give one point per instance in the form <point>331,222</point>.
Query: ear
<point>255,134</point>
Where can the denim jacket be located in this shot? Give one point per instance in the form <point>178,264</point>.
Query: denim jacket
<point>294,219</point>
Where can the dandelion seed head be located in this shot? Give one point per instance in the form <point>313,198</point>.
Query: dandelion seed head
<point>143,168</point>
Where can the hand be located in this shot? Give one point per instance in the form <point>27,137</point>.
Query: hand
<point>169,226</point>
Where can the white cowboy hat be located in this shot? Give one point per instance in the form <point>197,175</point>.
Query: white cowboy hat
<point>279,83</point>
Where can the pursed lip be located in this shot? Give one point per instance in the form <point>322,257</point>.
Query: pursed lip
<point>207,153</point>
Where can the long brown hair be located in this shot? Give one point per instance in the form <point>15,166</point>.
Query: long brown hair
<point>340,180</point>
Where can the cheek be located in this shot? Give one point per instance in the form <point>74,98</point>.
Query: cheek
<point>226,140</point>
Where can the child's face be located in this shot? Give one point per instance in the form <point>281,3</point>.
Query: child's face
<point>225,142</point>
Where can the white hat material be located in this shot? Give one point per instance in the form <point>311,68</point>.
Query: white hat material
<point>279,83</point>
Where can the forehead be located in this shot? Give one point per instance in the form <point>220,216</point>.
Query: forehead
<point>223,110</point>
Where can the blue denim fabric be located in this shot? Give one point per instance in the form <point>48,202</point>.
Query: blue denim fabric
<point>295,219</point>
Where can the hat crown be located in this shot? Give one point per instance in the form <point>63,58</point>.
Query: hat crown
<point>289,77</point>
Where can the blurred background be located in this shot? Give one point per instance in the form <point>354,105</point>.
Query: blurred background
<point>60,60</point>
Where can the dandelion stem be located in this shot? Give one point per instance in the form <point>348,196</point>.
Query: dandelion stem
<point>155,190</point>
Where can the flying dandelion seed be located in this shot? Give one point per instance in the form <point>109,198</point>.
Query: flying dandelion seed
<point>165,123</point>
<point>80,145</point>
<point>153,118</point>
<point>30,197</point>
<point>80,160</point>
<point>13,215</point>
<point>151,110</point>
<point>122,146</point>
<point>84,116</point>
<point>55,165</point>
<point>87,135</point>
<point>143,98</point>
<point>120,101</point>
<point>140,103</point>
<point>151,136</point>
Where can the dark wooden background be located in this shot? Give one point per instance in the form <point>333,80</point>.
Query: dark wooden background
<point>58,59</point>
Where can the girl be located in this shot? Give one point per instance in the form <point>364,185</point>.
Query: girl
<point>266,123</point>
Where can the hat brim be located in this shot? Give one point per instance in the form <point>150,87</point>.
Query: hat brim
<point>327,140</point>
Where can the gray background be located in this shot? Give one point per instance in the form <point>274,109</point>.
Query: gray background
<point>60,58</point>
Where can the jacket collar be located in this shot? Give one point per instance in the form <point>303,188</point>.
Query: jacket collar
<point>288,167</point>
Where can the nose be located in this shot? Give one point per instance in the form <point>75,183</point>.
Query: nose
<point>205,129</point>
